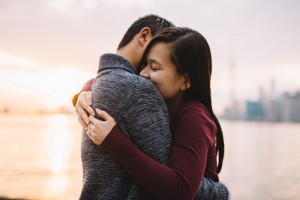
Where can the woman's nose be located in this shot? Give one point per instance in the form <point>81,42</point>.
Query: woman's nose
<point>145,73</point>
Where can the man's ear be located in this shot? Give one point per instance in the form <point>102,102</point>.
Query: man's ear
<point>145,36</point>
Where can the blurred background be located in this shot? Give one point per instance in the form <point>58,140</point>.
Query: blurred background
<point>49,49</point>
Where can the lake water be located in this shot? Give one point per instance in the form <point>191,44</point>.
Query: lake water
<point>40,158</point>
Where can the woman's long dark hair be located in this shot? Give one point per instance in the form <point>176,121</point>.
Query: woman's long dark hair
<point>190,53</point>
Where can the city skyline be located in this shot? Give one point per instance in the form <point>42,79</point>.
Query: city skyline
<point>270,105</point>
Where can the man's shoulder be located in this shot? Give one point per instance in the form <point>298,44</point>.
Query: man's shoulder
<point>124,79</point>
<point>121,87</point>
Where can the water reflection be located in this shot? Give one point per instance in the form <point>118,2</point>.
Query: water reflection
<point>56,185</point>
<point>261,160</point>
<point>40,158</point>
<point>58,140</point>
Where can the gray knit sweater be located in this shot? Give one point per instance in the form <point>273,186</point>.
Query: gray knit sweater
<point>141,113</point>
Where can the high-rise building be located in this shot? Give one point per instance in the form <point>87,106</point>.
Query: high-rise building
<point>290,107</point>
<point>254,110</point>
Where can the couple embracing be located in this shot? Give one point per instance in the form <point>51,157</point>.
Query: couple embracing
<point>149,130</point>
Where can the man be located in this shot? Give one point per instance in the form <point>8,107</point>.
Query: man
<point>139,110</point>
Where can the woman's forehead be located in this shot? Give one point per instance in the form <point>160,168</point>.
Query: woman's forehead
<point>159,51</point>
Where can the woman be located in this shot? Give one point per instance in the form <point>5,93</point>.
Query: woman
<point>178,62</point>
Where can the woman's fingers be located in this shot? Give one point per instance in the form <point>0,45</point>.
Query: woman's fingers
<point>93,120</point>
<point>82,114</point>
<point>99,129</point>
<point>90,134</point>
<point>104,115</point>
<point>91,127</point>
<point>82,117</point>
<point>83,124</point>
<point>94,133</point>
<point>89,97</point>
<point>86,101</point>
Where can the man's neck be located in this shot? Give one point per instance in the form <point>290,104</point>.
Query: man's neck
<point>129,55</point>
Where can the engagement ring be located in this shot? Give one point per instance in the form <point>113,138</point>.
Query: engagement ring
<point>89,134</point>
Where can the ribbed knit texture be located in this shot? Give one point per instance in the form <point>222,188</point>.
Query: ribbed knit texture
<point>140,111</point>
<point>210,190</point>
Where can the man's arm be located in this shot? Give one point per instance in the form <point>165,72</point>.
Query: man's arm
<point>210,190</point>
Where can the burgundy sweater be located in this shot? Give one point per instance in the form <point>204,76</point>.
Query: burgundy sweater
<point>193,155</point>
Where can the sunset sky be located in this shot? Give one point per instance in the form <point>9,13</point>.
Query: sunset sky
<point>48,49</point>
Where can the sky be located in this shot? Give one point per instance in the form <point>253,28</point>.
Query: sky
<point>49,49</point>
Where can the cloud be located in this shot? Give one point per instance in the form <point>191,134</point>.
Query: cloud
<point>18,62</point>
<point>129,3</point>
<point>73,7</point>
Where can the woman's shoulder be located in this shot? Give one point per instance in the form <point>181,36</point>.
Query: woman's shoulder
<point>195,120</point>
<point>194,108</point>
<point>195,113</point>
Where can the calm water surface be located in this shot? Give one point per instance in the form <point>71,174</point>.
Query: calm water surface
<point>40,158</point>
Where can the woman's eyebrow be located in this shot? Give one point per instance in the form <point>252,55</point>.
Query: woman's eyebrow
<point>153,61</point>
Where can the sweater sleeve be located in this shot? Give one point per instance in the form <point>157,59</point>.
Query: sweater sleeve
<point>86,87</point>
<point>181,178</point>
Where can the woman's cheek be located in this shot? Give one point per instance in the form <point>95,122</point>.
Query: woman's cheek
<point>159,88</point>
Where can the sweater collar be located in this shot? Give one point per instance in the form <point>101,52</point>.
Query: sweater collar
<point>114,61</point>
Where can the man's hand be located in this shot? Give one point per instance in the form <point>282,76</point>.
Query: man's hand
<point>84,109</point>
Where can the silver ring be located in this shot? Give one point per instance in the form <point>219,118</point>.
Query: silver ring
<point>89,134</point>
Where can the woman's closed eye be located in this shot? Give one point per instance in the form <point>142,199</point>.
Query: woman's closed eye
<point>154,66</point>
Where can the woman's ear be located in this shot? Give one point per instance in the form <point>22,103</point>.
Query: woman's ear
<point>188,83</point>
<point>145,36</point>
<point>185,86</point>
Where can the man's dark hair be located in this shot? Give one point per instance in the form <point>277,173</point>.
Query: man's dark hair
<point>154,22</point>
